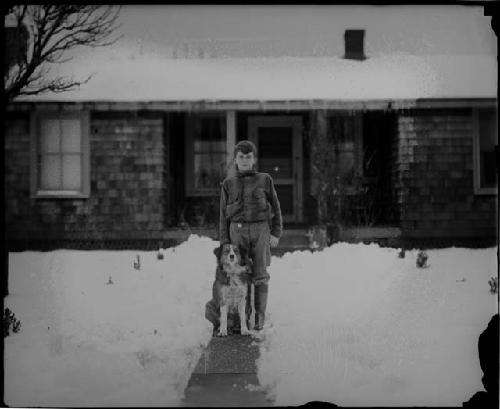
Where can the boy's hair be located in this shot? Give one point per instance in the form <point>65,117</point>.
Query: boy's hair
<point>245,147</point>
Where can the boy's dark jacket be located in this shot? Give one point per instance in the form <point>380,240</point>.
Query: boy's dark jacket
<point>249,197</point>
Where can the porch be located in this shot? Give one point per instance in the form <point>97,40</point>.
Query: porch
<point>361,146</point>
<point>154,174</point>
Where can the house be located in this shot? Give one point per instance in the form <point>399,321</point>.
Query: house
<point>134,158</point>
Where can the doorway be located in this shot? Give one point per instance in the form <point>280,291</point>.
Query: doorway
<point>279,152</point>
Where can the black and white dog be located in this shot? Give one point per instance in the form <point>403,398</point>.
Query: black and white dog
<point>232,288</point>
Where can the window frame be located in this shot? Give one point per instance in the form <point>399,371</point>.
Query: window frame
<point>35,120</point>
<point>478,190</point>
<point>191,191</point>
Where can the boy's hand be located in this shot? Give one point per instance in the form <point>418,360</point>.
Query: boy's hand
<point>274,241</point>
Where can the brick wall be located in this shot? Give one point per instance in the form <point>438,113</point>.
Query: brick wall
<point>128,176</point>
<point>433,178</point>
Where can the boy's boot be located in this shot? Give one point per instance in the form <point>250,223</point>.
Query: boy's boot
<point>249,308</point>
<point>260,305</point>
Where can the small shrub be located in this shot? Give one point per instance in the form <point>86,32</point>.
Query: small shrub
<point>422,259</point>
<point>10,321</point>
<point>493,282</point>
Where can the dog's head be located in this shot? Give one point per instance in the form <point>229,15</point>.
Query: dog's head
<point>228,255</point>
<point>230,262</point>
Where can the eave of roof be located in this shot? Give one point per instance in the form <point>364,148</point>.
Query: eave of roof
<point>290,106</point>
<point>311,81</point>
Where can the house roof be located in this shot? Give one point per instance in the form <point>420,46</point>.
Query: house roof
<point>388,77</point>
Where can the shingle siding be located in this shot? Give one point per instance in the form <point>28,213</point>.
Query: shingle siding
<point>137,183</point>
<point>433,178</point>
<point>128,174</point>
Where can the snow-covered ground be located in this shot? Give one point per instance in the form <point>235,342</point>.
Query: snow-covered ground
<point>84,342</point>
<point>357,326</point>
<point>353,325</point>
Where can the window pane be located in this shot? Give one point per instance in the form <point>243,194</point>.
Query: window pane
<point>209,146</point>
<point>210,134</point>
<point>49,136</point>
<point>341,129</point>
<point>346,162</point>
<point>487,130</point>
<point>71,172</point>
<point>275,151</point>
<point>276,167</point>
<point>487,141</point>
<point>285,197</point>
<point>71,135</point>
<point>209,170</point>
<point>50,172</point>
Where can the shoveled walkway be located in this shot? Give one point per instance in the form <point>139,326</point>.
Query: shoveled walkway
<point>226,375</point>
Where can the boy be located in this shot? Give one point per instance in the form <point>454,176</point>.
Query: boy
<point>250,217</point>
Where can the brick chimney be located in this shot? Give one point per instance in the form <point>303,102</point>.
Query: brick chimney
<point>354,44</point>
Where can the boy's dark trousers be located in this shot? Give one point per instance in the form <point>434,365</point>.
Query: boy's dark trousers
<point>253,239</point>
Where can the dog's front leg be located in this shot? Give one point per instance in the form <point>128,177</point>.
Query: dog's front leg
<point>223,321</point>
<point>243,319</point>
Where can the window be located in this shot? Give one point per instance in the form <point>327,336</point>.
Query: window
<point>342,149</point>
<point>485,139</point>
<point>346,133</point>
<point>60,155</point>
<point>206,153</point>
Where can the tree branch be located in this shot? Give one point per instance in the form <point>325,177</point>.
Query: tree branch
<point>54,31</point>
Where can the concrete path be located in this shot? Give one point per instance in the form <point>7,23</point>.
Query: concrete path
<point>226,375</point>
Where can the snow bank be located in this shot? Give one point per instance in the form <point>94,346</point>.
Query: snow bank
<point>357,326</point>
<point>85,342</point>
<point>352,324</point>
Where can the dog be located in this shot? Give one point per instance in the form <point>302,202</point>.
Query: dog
<point>232,289</point>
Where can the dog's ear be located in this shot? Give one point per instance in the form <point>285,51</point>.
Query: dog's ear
<point>217,252</point>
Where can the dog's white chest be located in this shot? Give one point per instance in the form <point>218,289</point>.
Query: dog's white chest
<point>233,295</point>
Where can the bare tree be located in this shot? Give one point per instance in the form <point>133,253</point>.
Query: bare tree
<point>39,36</point>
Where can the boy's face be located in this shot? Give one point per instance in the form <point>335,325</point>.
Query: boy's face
<point>244,161</point>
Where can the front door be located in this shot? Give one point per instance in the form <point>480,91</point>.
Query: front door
<point>279,153</point>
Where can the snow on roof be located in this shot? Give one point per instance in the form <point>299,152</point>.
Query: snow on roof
<point>151,78</point>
